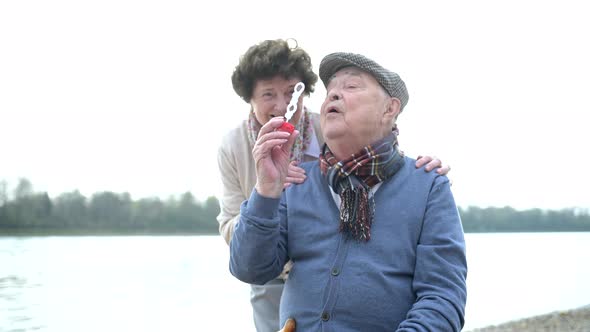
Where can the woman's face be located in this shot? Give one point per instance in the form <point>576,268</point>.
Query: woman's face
<point>271,97</point>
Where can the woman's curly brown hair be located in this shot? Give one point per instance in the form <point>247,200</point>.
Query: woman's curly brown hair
<point>269,59</point>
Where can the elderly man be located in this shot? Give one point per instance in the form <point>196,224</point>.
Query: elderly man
<point>376,244</point>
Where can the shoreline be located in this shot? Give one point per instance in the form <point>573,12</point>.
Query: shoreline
<point>571,320</point>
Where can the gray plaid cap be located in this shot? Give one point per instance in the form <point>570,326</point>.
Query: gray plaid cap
<point>390,81</point>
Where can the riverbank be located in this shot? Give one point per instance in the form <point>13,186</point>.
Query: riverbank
<point>574,320</point>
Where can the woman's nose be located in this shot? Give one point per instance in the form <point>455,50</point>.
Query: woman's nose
<point>282,102</point>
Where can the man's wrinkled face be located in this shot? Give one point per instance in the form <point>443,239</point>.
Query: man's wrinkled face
<point>357,110</point>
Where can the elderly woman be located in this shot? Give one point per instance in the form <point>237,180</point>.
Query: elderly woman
<point>265,78</point>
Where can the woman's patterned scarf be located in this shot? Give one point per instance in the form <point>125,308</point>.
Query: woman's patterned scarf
<point>302,141</point>
<point>353,178</point>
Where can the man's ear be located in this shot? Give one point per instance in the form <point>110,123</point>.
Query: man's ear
<point>393,108</point>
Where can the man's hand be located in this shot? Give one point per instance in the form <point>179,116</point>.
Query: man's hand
<point>271,154</point>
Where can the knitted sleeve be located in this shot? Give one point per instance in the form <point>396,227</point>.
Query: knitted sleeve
<point>441,266</point>
<point>258,251</point>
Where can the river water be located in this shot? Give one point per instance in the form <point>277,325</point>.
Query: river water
<point>182,283</point>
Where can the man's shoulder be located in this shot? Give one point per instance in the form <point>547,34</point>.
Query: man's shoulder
<point>313,176</point>
<point>410,171</point>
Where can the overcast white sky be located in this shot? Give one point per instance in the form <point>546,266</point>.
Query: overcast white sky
<point>135,96</point>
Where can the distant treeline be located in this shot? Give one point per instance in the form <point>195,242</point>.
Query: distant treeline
<point>108,212</point>
<point>104,212</point>
<point>507,219</point>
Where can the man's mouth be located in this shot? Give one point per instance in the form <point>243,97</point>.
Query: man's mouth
<point>333,108</point>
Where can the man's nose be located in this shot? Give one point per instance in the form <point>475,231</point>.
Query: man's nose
<point>334,94</point>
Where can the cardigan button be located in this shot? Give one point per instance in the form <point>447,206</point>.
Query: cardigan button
<point>335,271</point>
<point>325,316</point>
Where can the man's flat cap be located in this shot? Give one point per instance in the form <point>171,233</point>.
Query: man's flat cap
<point>390,81</point>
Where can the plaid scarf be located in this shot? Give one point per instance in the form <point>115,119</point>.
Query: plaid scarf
<point>353,178</point>
<point>304,126</point>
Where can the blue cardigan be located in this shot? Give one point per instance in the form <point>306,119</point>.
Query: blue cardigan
<point>410,276</point>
